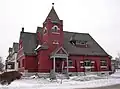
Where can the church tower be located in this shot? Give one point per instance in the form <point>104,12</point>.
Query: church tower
<point>53,30</point>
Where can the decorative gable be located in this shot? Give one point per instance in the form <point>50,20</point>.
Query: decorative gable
<point>59,52</point>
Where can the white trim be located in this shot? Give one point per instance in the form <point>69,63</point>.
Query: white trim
<point>70,67</point>
<point>67,65</point>
<point>56,27</point>
<point>62,49</point>
<point>37,47</point>
<point>55,32</point>
<point>103,66</point>
<point>62,65</point>
<point>45,29</point>
<point>54,64</point>
<point>20,56</point>
<point>87,67</point>
<point>81,66</point>
<point>92,61</point>
<point>20,50</point>
<point>81,62</point>
<point>55,42</point>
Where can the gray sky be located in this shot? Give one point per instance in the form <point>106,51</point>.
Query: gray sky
<point>100,18</point>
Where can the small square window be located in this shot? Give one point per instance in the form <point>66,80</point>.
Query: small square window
<point>103,62</point>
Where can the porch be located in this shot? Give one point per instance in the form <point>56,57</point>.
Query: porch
<point>59,57</point>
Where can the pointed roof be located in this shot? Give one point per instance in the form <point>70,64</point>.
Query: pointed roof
<point>59,50</point>
<point>53,15</point>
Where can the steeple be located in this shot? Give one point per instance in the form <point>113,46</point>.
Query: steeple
<point>53,15</point>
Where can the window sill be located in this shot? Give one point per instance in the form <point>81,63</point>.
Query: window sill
<point>55,43</point>
<point>103,66</point>
<point>70,67</point>
<point>87,67</point>
<point>55,32</point>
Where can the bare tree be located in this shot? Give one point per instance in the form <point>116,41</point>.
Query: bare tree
<point>118,60</point>
<point>1,64</point>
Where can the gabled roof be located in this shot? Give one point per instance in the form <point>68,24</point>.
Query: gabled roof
<point>29,42</point>
<point>59,50</point>
<point>94,49</point>
<point>53,15</point>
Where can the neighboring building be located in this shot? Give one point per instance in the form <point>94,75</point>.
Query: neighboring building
<point>117,62</point>
<point>114,65</point>
<point>51,48</point>
<point>11,62</point>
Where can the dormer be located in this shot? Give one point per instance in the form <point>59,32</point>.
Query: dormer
<point>78,43</point>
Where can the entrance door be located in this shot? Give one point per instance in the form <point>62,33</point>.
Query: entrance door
<point>58,65</point>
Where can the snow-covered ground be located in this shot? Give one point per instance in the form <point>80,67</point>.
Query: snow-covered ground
<point>89,81</point>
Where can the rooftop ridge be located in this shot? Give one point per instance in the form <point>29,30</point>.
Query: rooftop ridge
<point>75,32</point>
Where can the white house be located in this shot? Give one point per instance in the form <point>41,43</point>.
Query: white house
<point>11,62</point>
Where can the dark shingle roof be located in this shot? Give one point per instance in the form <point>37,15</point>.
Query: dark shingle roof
<point>40,32</point>
<point>39,29</point>
<point>53,15</point>
<point>94,49</point>
<point>15,47</point>
<point>29,42</point>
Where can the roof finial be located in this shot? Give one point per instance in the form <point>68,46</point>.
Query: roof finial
<point>52,4</point>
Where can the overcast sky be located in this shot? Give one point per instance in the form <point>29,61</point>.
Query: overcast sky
<point>99,18</point>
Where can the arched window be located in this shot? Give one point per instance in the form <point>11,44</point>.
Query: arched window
<point>44,30</point>
<point>55,29</point>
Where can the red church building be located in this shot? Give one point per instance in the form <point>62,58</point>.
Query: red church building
<point>51,48</point>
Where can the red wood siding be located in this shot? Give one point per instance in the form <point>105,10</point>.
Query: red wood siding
<point>97,67</point>
<point>44,64</point>
<point>31,63</point>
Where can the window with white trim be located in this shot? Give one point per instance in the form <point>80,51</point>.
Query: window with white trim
<point>87,63</point>
<point>103,62</point>
<point>70,63</point>
<point>55,29</point>
<point>44,30</point>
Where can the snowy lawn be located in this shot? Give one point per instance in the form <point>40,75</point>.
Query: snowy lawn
<point>89,81</point>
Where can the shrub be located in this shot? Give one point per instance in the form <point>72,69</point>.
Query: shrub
<point>8,77</point>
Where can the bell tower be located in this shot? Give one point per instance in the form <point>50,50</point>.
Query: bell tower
<point>53,30</point>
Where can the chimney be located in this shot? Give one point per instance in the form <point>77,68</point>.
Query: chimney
<point>22,29</point>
